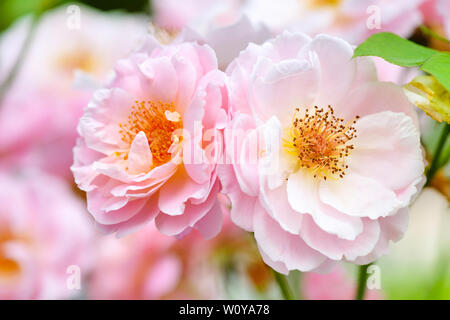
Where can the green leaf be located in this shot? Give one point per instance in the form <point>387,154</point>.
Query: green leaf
<point>439,66</point>
<point>394,49</point>
<point>10,10</point>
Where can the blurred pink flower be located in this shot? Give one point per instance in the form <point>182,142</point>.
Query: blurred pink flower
<point>356,20</point>
<point>149,265</point>
<point>44,230</point>
<point>177,14</point>
<point>214,21</point>
<point>336,285</point>
<point>325,184</point>
<point>140,266</point>
<point>63,45</point>
<point>349,19</point>
<point>38,129</point>
<point>141,154</point>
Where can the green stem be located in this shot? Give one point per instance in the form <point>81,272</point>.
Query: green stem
<point>430,33</point>
<point>9,80</point>
<point>284,285</point>
<point>362,281</point>
<point>434,166</point>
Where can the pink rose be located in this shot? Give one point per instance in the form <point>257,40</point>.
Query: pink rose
<point>316,144</point>
<point>45,238</point>
<point>213,21</point>
<point>148,142</point>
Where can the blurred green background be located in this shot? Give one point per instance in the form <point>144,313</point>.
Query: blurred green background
<point>12,9</point>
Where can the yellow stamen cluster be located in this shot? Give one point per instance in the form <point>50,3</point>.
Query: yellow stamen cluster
<point>156,120</point>
<point>320,141</point>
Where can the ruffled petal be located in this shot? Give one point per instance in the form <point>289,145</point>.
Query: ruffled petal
<point>280,245</point>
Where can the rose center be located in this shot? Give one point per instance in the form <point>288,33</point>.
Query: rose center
<point>78,59</point>
<point>321,142</point>
<point>160,122</point>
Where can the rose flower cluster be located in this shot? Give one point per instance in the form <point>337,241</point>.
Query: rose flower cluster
<point>318,158</point>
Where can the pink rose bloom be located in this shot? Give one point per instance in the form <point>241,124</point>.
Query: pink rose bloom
<point>149,140</point>
<point>59,50</point>
<point>214,21</point>
<point>317,140</point>
<point>140,266</point>
<point>149,265</point>
<point>44,230</point>
<point>336,285</point>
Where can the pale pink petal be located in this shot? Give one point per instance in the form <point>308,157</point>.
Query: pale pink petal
<point>122,229</point>
<point>176,224</point>
<point>384,140</point>
<point>280,245</point>
<point>302,190</point>
<point>337,223</point>
<point>211,224</point>
<point>162,83</point>
<point>375,97</point>
<point>336,248</point>
<point>100,123</point>
<point>119,211</point>
<point>392,228</point>
<point>359,196</point>
<point>238,73</point>
<point>277,205</point>
<point>288,45</point>
<point>337,71</point>
<point>187,82</point>
<point>176,191</point>
<point>285,86</point>
<point>326,217</point>
<point>278,266</point>
<point>140,156</point>
<point>246,170</point>
<point>244,32</point>
<point>242,205</point>
<point>82,170</point>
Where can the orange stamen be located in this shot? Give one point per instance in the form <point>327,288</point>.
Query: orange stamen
<point>321,142</point>
<point>158,125</point>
